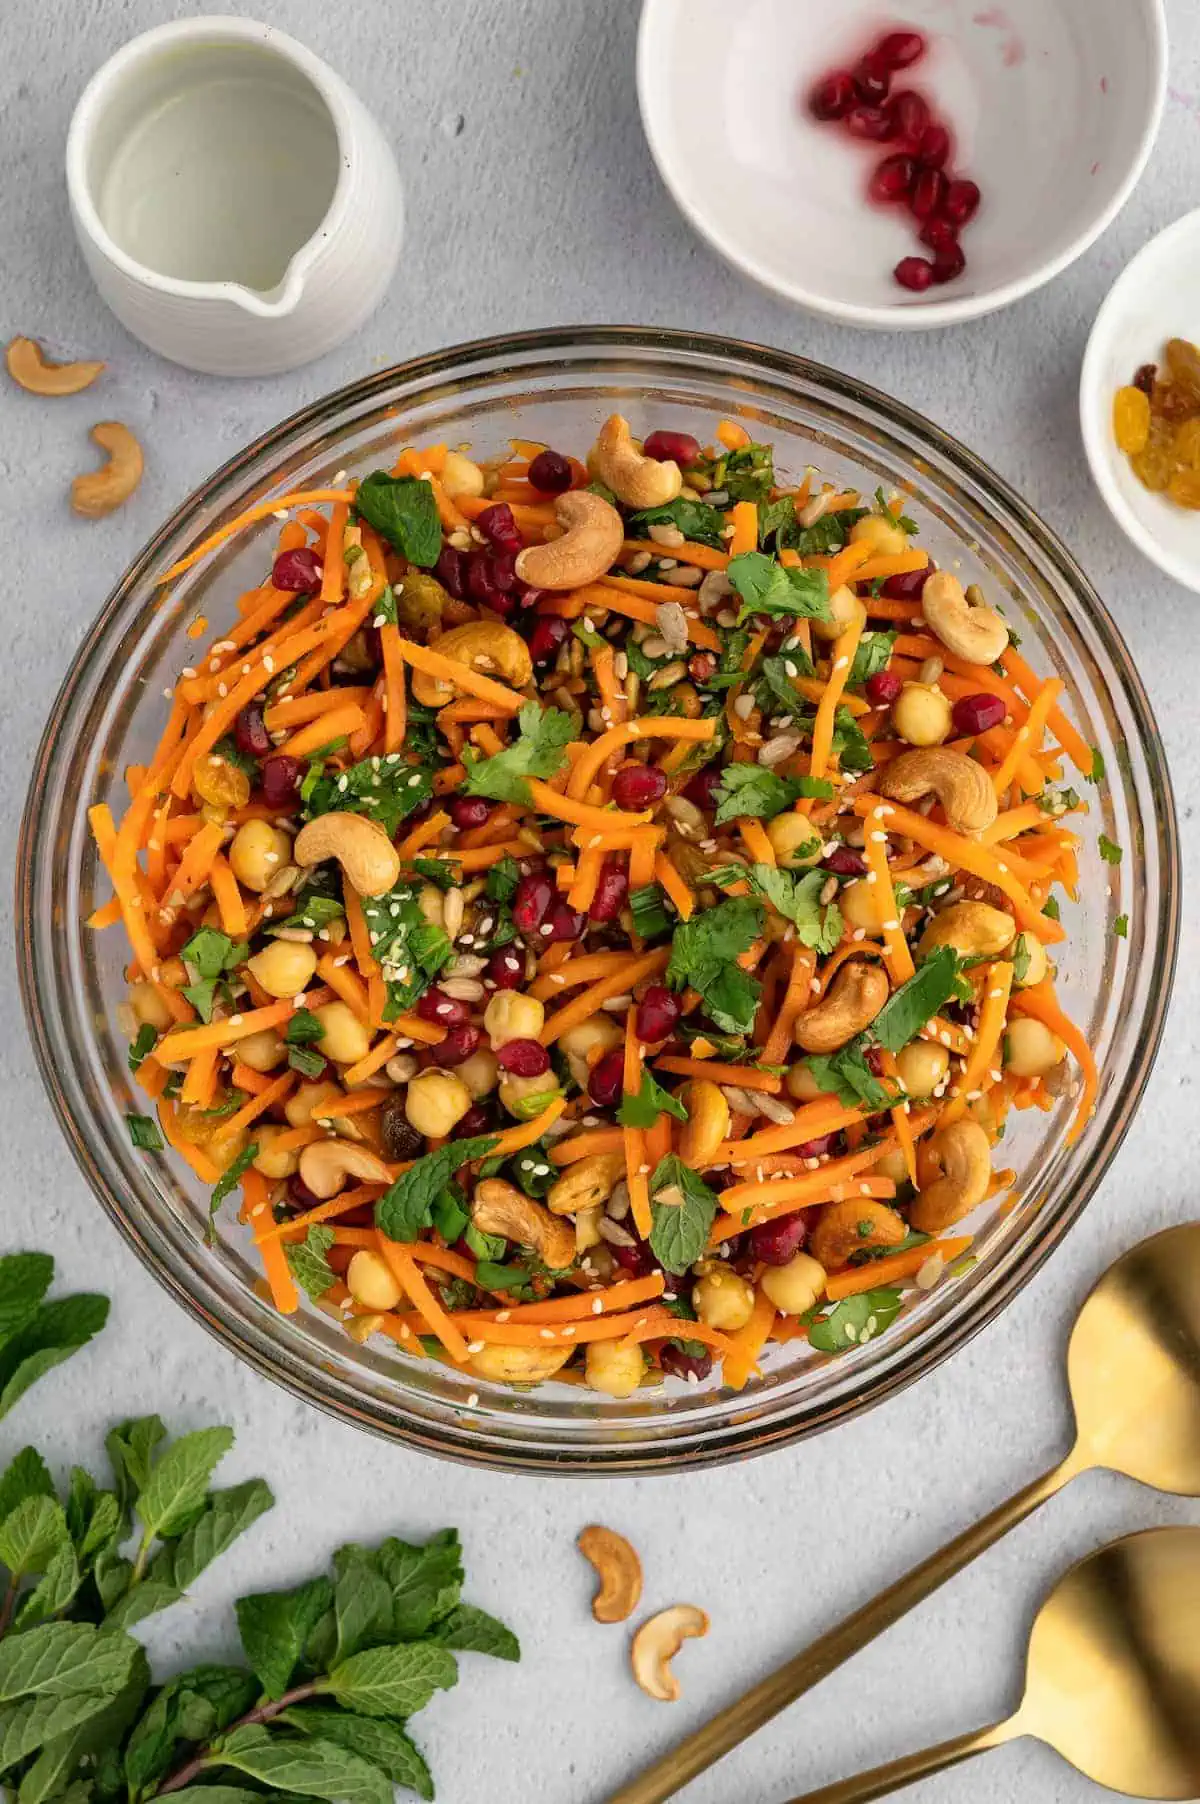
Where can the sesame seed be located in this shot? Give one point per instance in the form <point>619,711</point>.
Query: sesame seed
<point>472,1399</point>
<point>548,1334</point>
<point>475,1346</point>
<point>504,1315</point>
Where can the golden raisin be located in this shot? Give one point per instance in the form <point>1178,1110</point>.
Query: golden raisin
<point>1184,488</point>
<point>219,783</point>
<point>1131,420</point>
<point>1185,447</point>
<point>1152,467</point>
<point>1183,362</point>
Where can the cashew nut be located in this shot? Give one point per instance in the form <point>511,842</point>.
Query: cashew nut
<point>978,634</point>
<point>593,533</point>
<point>707,1123</point>
<point>360,845</point>
<point>31,369</point>
<point>960,785</point>
<point>327,1165</point>
<point>586,1184</point>
<point>635,479</point>
<point>99,492</point>
<point>486,646</point>
<point>852,1001</point>
<point>656,1644</point>
<point>854,1226</point>
<point>962,1155</point>
<point>619,1571</point>
<point>518,1365</point>
<point>499,1208</point>
<point>975,929</point>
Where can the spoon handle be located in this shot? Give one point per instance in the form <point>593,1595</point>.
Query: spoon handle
<point>739,1720</point>
<point>897,1773</point>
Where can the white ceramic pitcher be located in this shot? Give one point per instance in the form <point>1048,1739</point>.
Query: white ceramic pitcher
<point>238,207</point>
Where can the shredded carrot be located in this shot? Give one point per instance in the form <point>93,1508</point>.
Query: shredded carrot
<point>404,1270</point>
<point>284,1294</point>
<point>641,601</point>
<point>185,1043</point>
<point>1028,735</point>
<point>844,648</point>
<point>894,1268</point>
<point>339,723</point>
<point>587,1144</point>
<point>258,1105</point>
<point>652,726</point>
<point>812,1122</point>
<point>261,510</point>
<point>1040,1001</point>
<point>702,557</point>
<point>460,676</point>
<point>744,515</point>
<point>844,565</point>
<point>631,972</point>
<point>733,436</point>
<point>748,1342</point>
<point>673,884</point>
<point>897,563</point>
<point>897,956</point>
<point>636,1164</point>
<point>746,1077</point>
<point>778,1042</point>
<point>755,840</point>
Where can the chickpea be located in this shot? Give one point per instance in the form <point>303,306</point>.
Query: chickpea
<point>257,852</point>
<point>1035,953</point>
<point>370,1282</point>
<point>794,841</point>
<point>801,1085</point>
<point>307,1099</point>
<point>921,1066</point>
<point>723,1299</point>
<point>284,967</point>
<point>885,538</point>
<point>460,476</point>
<point>844,609</point>
<point>857,903</point>
<point>272,1163</point>
<point>514,1090</point>
<point>480,1072</point>
<point>796,1286</point>
<point>436,1102</point>
<point>614,1370</point>
<point>892,1165</point>
<point>262,1051</point>
<point>921,714</point>
<point>599,1035</point>
<point>511,1016</point>
<point>148,1007</point>
<point>1030,1049</point>
<point>344,1038</point>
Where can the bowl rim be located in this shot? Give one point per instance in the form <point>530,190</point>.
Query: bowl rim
<point>1095,407</point>
<point>332,1392</point>
<point>912,315</point>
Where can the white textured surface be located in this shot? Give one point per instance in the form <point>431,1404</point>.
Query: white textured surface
<point>533,201</point>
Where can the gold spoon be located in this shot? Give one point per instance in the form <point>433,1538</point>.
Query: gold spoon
<point>1133,1366</point>
<point>1112,1680</point>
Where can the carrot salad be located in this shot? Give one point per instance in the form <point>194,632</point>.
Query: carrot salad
<point>598,916</point>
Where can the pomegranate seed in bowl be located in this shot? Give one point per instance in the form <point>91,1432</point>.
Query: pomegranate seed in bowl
<point>976,713</point>
<point>892,180</point>
<point>915,273</point>
<point>639,786</point>
<point>832,98</point>
<point>524,1058</point>
<point>679,447</point>
<point>550,472</point>
<point>883,688</point>
<point>900,49</point>
<point>297,571</point>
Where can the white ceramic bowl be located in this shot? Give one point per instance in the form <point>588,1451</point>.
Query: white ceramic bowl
<point>1153,300</point>
<point>1055,105</point>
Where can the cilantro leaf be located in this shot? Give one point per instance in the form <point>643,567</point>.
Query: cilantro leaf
<point>683,1208</point>
<point>307,1062</point>
<point>829,533</point>
<point>749,474</point>
<point>767,588</point>
<point>1051,909</point>
<point>847,1076</point>
<point>1108,849</point>
<point>502,880</point>
<point>212,953</point>
<point>775,518</point>
<point>907,1010</point>
<point>315,911</point>
<point>850,745</point>
<point>1020,958</point>
<point>753,790</point>
<point>308,1264</point>
<point>410,950</point>
<point>539,752</point>
<point>855,1320</point>
<point>696,520</point>
<point>651,1101</point>
<point>404,1209</point>
<point>443,873</point>
<point>704,952</point>
<point>776,691</point>
<point>385,789</point>
<point>303,1029</point>
<point>143,1045</point>
<point>870,657</point>
<point>402,510</point>
<point>796,898</point>
<point>226,1183</point>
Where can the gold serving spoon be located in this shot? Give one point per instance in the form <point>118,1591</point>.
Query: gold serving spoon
<point>1112,1681</point>
<point>1134,1371</point>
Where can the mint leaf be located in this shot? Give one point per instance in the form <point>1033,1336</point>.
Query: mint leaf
<point>650,918</point>
<point>381,1743</point>
<point>426,1581</point>
<point>227,1183</point>
<point>1108,849</point>
<point>471,1631</point>
<point>275,1627</point>
<point>24,1281</point>
<point>191,1707</point>
<point>766,587</point>
<point>847,1076</point>
<point>27,1476</point>
<point>651,1101</point>
<point>61,1659</point>
<point>751,790</point>
<point>386,789</point>
<point>179,1479</point>
<point>1097,772</point>
<point>411,950</point>
<point>315,912</point>
<point>907,1010</point>
<point>540,751</point>
<point>130,1448</point>
<point>402,510</point>
<point>696,520</point>
<point>404,1209</point>
<point>683,1209</point>
<point>502,880</point>
<point>61,1579</point>
<point>312,1769</point>
<point>392,1681</point>
<point>212,953</point>
<point>31,1534</point>
<point>227,1514</point>
<point>303,1029</point>
<point>30,1725</point>
<point>362,1604</point>
<point>56,1330</point>
<point>855,1320</point>
<point>308,1264</point>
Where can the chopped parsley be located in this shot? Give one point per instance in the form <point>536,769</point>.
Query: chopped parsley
<point>765,587</point>
<point>871,656</point>
<point>1108,849</point>
<point>540,752</point>
<point>794,896</point>
<point>753,791</point>
<point>385,789</point>
<point>704,954</point>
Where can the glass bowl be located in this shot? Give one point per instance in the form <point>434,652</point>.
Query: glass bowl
<point>557,387</point>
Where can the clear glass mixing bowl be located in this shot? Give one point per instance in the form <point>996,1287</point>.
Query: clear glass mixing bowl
<point>557,387</point>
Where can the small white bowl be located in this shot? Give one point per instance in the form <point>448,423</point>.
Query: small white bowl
<point>1153,300</point>
<point>1055,105</point>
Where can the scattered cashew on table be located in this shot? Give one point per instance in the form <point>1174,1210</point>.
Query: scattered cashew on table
<point>94,493</point>
<point>660,1637</point>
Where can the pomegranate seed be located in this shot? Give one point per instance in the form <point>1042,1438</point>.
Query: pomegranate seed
<point>938,233</point>
<point>505,969</point>
<point>524,1058</point>
<point>818,1148</point>
<point>281,776</point>
<point>532,902</point>
<point>638,786</point>
<point>548,636</point>
<point>933,150</point>
<point>949,263</point>
<point>527,596</point>
<point>481,583</point>
<point>611,891</point>
<point>469,811</point>
<point>976,713</point>
<point>504,571</point>
<point>775,1242</point>
<point>874,1058</point>
<point>299,1193</point>
<point>441,1010</point>
<point>637,1260</point>
<point>911,113</point>
<point>497,524</point>
<point>459,1044</point>
<point>676,1363</point>
<point>475,1121</point>
<point>550,472</point>
<point>250,731</point>
<point>832,98</point>
<point>702,789</point>
<point>451,571</point>
<point>962,202</point>
<point>928,193</point>
<point>908,586</point>
<point>564,922</point>
<point>900,49</point>
<point>914,273</point>
<point>892,180</point>
<point>607,1080</point>
<point>677,447</point>
<point>883,688</point>
<point>657,1014</point>
<point>297,571</point>
<point>843,861</point>
<point>701,666</point>
<point>873,79</point>
<point>872,123</point>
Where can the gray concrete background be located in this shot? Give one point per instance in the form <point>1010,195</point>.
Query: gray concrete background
<point>533,201</point>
